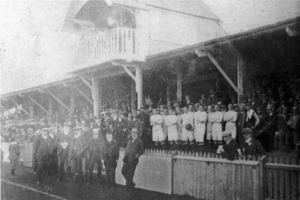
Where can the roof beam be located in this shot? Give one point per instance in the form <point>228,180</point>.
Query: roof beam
<point>84,95</point>
<point>39,105</point>
<point>87,83</point>
<point>21,108</point>
<point>59,101</point>
<point>214,61</point>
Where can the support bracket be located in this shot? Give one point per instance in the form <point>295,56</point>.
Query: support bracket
<point>21,108</point>
<point>82,94</point>
<point>59,101</point>
<point>214,61</point>
<point>39,105</point>
<point>87,83</point>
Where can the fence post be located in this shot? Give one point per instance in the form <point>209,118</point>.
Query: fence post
<point>262,181</point>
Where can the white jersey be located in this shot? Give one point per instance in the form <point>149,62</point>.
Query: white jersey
<point>187,118</point>
<point>216,120</point>
<point>230,117</point>
<point>156,122</point>
<point>200,119</point>
<point>171,123</point>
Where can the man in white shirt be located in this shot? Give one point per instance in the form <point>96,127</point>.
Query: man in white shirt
<point>171,123</point>
<point>230,118</point>
<point>200,118</point>
<point>187,135</point>
<point>157,132</point>
<point>216,120</point>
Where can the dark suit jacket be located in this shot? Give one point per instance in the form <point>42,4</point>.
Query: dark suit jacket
<point>94,146</point>
<point>61,152</point>
<point>110,151</point>
<point>43,148</point>
<point>78,146</point>
<point>133,150</point>
<point>230,150</point>
<point>14,151</point>
<point>255,148</point>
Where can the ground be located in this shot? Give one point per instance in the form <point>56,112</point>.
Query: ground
<point>27,188</point>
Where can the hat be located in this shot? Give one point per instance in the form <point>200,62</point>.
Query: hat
<point>226,133</point>
<point>247,131</point>
<point>134,130</point>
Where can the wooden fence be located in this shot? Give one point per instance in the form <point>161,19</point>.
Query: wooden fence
<point>207,176</point>
<point>282,178</point>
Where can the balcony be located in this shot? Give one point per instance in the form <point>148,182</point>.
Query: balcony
<point>115,44</point>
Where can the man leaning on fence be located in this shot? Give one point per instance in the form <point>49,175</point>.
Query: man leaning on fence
<point>252,147</point>
<point>133,151</point>
<point>230,148</point>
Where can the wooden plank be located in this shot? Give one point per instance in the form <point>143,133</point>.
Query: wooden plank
<point>256,180</point>
<point>175,175</point>
<point>250,182</point>
<point>202,180</point>
<point>294,182</point>
<point>282,166</point>
<point>270,180</point>
<point>276,183</point>
<point>287,189</point>
<point>239,186</point>
<point>281,180</point>
<point>195,175</point>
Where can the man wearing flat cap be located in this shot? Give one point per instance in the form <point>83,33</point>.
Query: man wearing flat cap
<point>133,151</point>
<point>252,147</point>
<point>230,148</point>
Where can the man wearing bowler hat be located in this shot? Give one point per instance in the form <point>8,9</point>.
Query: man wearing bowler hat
<point>252,147</point>
<point>133,151</point>
<point>230,148</point>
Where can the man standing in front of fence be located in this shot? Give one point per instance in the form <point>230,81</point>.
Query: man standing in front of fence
<point>230,148</point>
<point>133,151</point>
<point>200,118</point>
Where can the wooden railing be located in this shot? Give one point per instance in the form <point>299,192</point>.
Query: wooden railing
<point>110,43</point>
<point>282,178</point>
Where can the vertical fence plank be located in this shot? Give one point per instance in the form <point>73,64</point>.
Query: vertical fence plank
<point>276,181</point>
<point>281,181</point>
<point>287,177</point>
<point>270,180</point>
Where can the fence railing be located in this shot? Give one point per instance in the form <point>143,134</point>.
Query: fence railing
<point>207,175</point>
<point>112,42</point>
<point>282,178</point>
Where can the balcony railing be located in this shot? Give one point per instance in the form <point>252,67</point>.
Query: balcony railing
<point>117,43</point>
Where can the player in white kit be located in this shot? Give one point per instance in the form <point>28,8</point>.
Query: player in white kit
<point>210,112</point>
<point>230,118</point>
<point>171,123</point>
<point>157,132</point>
<point>216,120</point>
<point>187,135</point>
<point>200,118</point>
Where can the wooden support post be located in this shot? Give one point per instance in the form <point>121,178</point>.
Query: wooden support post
<point>39,105</point>
<point>72,100</point>
<point>240,78</point>
<point>59,101</point>
<point>50,107</point>
<point>83,94</point>
<point>25,111</point>
<point>133,96</point>
<point>139,86</point>
<point>179,85</point>
<point>222,72</point>
<point>95,94</point>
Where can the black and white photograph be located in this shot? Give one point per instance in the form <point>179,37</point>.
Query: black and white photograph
<point>150,99</point>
